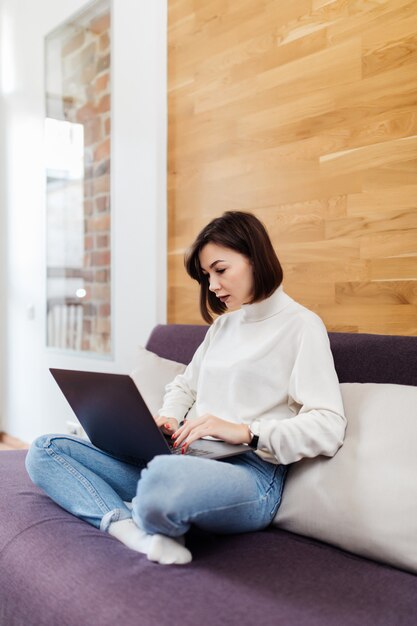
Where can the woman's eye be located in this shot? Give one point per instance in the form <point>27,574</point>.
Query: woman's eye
<point>220,271</point>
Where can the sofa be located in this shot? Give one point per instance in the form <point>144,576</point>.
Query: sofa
<point>56,570</point>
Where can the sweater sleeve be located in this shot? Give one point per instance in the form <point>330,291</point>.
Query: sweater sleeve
<point>318,427</point>
<point>181,393</point>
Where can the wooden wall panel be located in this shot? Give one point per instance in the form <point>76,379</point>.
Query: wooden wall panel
<point>303,112</point>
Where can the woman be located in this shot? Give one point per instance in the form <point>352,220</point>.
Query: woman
<point>264,376</point>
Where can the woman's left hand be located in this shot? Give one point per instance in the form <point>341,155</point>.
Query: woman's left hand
<point>210,425</point>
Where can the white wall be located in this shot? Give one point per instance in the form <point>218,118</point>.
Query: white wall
<point>30,402</point>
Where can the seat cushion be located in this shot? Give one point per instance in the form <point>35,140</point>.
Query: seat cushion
<point>56,569</point>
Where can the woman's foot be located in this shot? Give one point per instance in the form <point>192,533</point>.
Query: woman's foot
<point>127,532</point>
<point>168,551</point>
<point>158,548</point>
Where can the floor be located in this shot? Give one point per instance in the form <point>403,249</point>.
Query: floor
<point>4,446</point>
<point>11,443</point>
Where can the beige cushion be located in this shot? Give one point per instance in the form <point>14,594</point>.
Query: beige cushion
<point>151,374</point>
<point>364,499</point>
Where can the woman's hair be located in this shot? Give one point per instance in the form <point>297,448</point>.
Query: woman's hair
<point>246,234</point>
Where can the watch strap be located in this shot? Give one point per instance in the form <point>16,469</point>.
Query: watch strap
<point>255,436</point>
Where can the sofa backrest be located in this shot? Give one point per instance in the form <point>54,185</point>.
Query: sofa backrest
<point>360,358</point>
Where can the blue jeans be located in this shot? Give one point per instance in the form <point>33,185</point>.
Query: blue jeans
<point>170,494</point>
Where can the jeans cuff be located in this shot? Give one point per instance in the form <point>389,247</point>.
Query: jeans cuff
<point>113,516</point>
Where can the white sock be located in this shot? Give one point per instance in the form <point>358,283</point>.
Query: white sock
<point>158,548</point>
<point>132,536</point>
<point>168,551</point>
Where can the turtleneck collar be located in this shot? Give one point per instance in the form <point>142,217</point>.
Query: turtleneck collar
<point>266,308</point>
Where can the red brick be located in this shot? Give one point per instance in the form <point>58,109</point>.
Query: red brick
<point>104,310</point>
<point>86,112</point>
<point>102,83</point>
<point>104,104</point>
<point>107,126</point>
<point>100,292</point>
<point>100,24</point>
<point>102,168</point>
<point>104,41</point>
<point>102,241</point>
<point>88,242</point>
<point>101,184</point>
<point>100,258</point>
<point>102,276</point>
<point>87,297</point>
<point>101,223</point>
<point>102,151</point>
<point>102,203</point>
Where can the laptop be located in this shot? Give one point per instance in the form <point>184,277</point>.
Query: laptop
<point>117,420</point>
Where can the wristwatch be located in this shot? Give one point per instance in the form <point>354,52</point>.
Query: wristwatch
<point>254,431</point>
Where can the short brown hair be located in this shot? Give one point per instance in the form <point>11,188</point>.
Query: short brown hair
<point>246,234</point>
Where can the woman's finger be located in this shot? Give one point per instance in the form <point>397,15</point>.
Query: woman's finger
<point>190,439</point>
<point>181,434</point>
<point>168,425</point>
<point>195,433</point>
<point>184,432</point>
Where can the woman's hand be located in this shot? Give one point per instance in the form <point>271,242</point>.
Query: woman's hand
<point>168,425</point>
<point>210,425</point>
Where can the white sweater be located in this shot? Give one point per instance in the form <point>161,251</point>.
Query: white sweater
<point>268,362</point>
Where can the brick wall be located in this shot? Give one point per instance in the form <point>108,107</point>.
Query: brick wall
<point>86,78</point>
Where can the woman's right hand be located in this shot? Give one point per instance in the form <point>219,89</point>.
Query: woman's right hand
<point>168,425</point>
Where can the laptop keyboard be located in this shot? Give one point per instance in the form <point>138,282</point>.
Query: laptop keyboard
<point>191,452</point>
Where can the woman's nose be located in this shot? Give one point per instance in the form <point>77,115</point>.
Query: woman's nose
<point>214,284</point>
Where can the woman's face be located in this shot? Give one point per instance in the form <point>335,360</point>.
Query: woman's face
<point>229,273</point>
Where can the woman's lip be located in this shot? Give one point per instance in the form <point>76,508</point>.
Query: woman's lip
<point>224,298</point>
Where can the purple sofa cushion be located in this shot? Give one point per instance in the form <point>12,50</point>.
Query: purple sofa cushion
<point>360,358</point>
<point>56,569</point>
<point>177,342</point>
